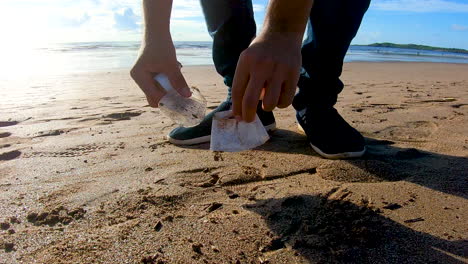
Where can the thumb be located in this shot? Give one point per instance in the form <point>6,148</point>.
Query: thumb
<point>179,84</point>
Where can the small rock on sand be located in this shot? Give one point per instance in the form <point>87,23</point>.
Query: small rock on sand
<point>158,226</point>
<point>414,220</point>
<point>4,226</point>
<point>8,246</point>
<point>392,206</point>
<point>196,247</point>
<point>214,206</point>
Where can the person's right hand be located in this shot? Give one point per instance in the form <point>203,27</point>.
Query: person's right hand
<point>158,58</point>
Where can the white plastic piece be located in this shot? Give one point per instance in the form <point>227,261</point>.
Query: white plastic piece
<point>183,111</point>
<point>228,134</point>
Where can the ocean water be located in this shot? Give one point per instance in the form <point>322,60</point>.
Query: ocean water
<point>107,56</point>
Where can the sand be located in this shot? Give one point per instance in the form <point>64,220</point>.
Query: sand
<point>87,176</point>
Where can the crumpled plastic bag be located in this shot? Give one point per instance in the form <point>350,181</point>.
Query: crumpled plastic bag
<point>230,135</point>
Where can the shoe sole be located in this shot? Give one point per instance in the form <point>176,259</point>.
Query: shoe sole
<point>343,155</point>
<point>205,139</point>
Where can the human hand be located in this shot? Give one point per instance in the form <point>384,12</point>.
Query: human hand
<point>158,58</point>
<point>270,68</point>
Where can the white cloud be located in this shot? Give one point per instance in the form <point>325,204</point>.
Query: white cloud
<point>127,21</point>
<point>189,30</point>
<point>68,21</point>
<point>459,27</point>
<point>95,20</point>
<point>420,6</point>
<point>186,9</point>
<point>258,7</point>
<point>77,21</point>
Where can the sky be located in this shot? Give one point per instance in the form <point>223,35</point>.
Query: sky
<point>35,22</point>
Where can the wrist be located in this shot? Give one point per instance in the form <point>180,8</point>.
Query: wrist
<point>156,38</point>
<point>293,38</point>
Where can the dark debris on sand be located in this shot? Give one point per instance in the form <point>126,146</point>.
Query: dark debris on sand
<point>4,226</point>
<point>213,207</point>
<point>58,215</point>
<point>8,247</point>
<point>156,259</point>
<point>392,206</point>
<point>196,247</point>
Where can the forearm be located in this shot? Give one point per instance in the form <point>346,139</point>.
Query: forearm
<point>287,17</point>
<point>157,15</point>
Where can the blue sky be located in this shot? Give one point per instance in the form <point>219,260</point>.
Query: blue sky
<point>432,22</point>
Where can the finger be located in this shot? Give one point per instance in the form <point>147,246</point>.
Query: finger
<point>272,94</point>
<point>159,93</point>
<point>288,91</point>
<point>152,89</point>
<point>239,84</point>
<point>251,97</point>
<point>178,83</point>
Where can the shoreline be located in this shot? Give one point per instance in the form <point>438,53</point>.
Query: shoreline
<point>124,69</point>
<point>120,70</point>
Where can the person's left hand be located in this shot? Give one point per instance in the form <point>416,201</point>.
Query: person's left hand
<point>270,68</point>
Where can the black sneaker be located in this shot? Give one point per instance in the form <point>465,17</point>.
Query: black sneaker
<point>329,134</point>
<point>201,133</point>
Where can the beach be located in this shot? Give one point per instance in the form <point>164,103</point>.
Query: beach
<point>87,175</point>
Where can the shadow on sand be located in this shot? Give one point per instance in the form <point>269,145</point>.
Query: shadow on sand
<point>385,162</point>
<point>335,231</point>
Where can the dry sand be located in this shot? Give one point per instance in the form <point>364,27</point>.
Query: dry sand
<point>86,176</point>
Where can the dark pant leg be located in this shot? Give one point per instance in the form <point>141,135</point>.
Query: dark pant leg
<point>232,26</point>
<point>332,25</point>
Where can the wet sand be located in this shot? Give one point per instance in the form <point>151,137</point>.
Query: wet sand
<point>87,176</point>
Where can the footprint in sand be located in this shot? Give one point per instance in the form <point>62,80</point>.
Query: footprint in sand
<point>57,119</point>
<point>58,215</point>
<point>54,132</point>
<point>127,115</point>
<point>77,151</point>
<point>417,131</point>
<point>458,105</point>
<point>439,100</point>
<point>379,108</point>
<point>107,98</point>
<point>10,155</point>
<point>4,134</point>
<point>199,177</point>
<point>86,119</point>
<point>358,171</point>
<point>8,123</point>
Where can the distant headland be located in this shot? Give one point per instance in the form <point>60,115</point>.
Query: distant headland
<point>415,46</point>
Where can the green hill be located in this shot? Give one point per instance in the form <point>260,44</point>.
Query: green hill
<point>417,47</point>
